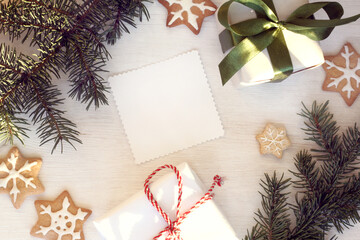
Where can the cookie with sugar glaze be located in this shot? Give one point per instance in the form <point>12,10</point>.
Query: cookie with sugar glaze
<point>188,12</point>
<point>19,176</point>
<point>343,74</point>
<point>60,219</point>
<point>273,140</point>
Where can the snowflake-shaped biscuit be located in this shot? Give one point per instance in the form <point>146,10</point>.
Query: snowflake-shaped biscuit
<point>343,74</point>
<point>188,12</point>
<point>273,140</point>
<point>18,176</point>
<point>60,219</point>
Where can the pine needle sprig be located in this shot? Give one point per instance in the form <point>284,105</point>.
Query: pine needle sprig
<point>274,218</point>
<point>311,222</point>
<point>12,126</point>
<point>87,85</point>
<point>337,154</point>
<point>59,8</point>
<point>321,129</point>
<point>255,234</point>
<point>70,38</point>
<point>11,66</point>
<point>122,17</point>
<point>307,174</point>
<point>43,99</point>
<point>327,183</point>
<point>52,125</point>
<point>22,20</point>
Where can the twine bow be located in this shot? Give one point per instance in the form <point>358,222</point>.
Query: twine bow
<point>172,229</point>
<point>252,36</point>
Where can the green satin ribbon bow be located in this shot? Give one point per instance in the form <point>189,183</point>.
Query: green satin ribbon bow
<point>252,36</point>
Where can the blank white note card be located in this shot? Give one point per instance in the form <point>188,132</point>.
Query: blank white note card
<point>166,107</point>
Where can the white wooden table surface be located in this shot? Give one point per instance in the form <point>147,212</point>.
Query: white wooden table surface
<point>101,173</point>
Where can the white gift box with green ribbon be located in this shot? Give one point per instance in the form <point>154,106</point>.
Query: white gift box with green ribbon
<point>304,52</point>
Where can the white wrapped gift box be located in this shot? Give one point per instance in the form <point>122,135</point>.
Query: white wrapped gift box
<point>137,219</point>
<point>304,52</point>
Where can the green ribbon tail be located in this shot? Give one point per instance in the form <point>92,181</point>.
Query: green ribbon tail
<point>300,20</point>
<point>242,53</point>
<point>252,36</point>
<point>271,5</point>
<point>278,51</point>
<point>280,58</point>
<point>318,29</point>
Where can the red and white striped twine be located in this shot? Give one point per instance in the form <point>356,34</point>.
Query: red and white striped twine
<point>173,226</point>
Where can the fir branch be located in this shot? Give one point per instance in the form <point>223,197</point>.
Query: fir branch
<point>351,145</point>
<point>327,184</point>
<point>123,16</point>
<point>115,31</point>
<point>310,221</point>
<point>11,126</point>
<point>321,129</point>
<point>11,66</point>
<point>17,18</point>
<point>307,174</point>
<point>44,98</point>
<point>255,234</point>
<point>70,38</point>
<point>274,219</point>
<point>94,41</point>
<point>91,11</point>
<point>41,98</point>
<point>347,204</point>
<point>87,84</point>
<point>336,163</point>
<point>60,8</point>
<point>53,126</point>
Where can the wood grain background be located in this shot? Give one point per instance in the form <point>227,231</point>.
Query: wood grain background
<point>101,172</point>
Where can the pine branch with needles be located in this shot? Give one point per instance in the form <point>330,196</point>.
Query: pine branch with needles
<point>327,184</point>
<point>70,37</point>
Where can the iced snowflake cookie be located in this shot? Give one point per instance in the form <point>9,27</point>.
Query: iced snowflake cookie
<point>18,176</point>
<point>273,140</point>
<point>343,73</point>
<point>188,12</point>
<point>60,219</point>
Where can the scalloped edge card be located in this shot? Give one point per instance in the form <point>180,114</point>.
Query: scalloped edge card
<point>166,107</point>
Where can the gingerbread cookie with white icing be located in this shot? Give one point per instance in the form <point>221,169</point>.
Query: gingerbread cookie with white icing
<point>343,74</point>
<point>60,219</point>
<point>188,12</point>
<point>273,140</point>
<point>18,176</point>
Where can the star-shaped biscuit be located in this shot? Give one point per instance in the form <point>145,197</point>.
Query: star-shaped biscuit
<point>18,176</point>
<point>343,73</point>
<point>273,140</point>
<point>188,12</point>
<point>60,219</point>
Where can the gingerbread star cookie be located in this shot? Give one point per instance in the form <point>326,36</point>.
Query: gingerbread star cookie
<point>273,140</point>
<point>343,73</point>
<point>60,219</point>
<point>188,12</point>
<point>18,176</point>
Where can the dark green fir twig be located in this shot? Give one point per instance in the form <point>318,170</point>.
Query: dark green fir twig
<point>327,184</point>
<point>70,37</point>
